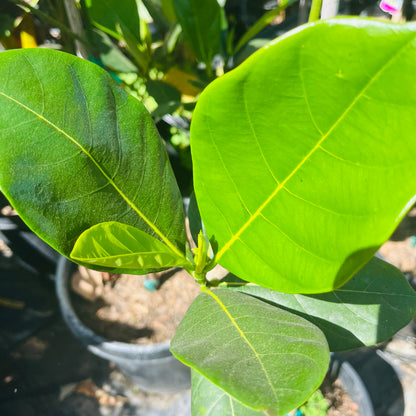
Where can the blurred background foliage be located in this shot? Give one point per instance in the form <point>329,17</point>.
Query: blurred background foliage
<point>165,52</point>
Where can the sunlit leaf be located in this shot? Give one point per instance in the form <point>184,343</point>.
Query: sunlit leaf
<point>304,154</point>
<point>116,245</point>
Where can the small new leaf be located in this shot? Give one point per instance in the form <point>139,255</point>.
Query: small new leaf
<point>116,245</point>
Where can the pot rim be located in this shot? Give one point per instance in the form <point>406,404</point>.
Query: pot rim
<point>88,336</point>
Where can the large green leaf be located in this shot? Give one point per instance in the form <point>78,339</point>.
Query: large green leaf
<point>112,15</point>
<point>201,26</point>
<point>76,150</point>
<point>304,155</point>
<point>209,400</point>
<point>116,245</point>
<point>370,308</point>
<point>267,358</point>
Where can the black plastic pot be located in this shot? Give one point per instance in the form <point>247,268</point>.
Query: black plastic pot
<point>150,367</point>
<point>352,383</point>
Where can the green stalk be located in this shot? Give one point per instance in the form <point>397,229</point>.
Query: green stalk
<point>315,10</point>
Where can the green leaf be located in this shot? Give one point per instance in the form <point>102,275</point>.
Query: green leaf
<point>111,15</point>
<point>167,97</point>
<point>112,56</point>
<point>76,150</point>
<point>121,246</point>
<point>9,13</point>
<point>201,26</point>
<point>267,358</point>
<point>209,400</point>
<point>168,9</point>
<point>304,154</point>
<point>370,308</point>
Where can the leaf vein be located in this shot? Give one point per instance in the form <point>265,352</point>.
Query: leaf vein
<point>326,260</point>
<point>102,171</point>
<point>317,146</point>
<point>223,307</point>
<point>250,122</point>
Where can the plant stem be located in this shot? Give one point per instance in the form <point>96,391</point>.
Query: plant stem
<point>329,8</point>
<point>75,23</point>
<point>315,10</point>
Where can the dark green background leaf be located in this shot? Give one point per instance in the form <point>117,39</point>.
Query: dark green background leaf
<point>168,9</point>
<point>76,150</point>
<point>201,26</point>
<point>304,155</point>
<point>107,15</point>
<point>168,98</point>
<point>111,55</point>
<point>370,308</point>
<point>265,357</point>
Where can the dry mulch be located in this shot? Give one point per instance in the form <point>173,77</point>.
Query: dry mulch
<point>126,311</point>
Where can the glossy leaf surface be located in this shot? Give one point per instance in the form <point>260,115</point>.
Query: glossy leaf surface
<point>209,400</point>
<point>370,308</point>
<point>76,150</point>
<point>201,26</point>
<point>116,245</point>
<point>267,358</point>
<point>304,154</point>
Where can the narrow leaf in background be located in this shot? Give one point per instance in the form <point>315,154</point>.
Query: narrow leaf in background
<point>201,26</point>
<point>107,15</point>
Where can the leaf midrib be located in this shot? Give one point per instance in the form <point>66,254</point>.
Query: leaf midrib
<point>282,184</point>
<point>243,336</point>
<point>102,171</point>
